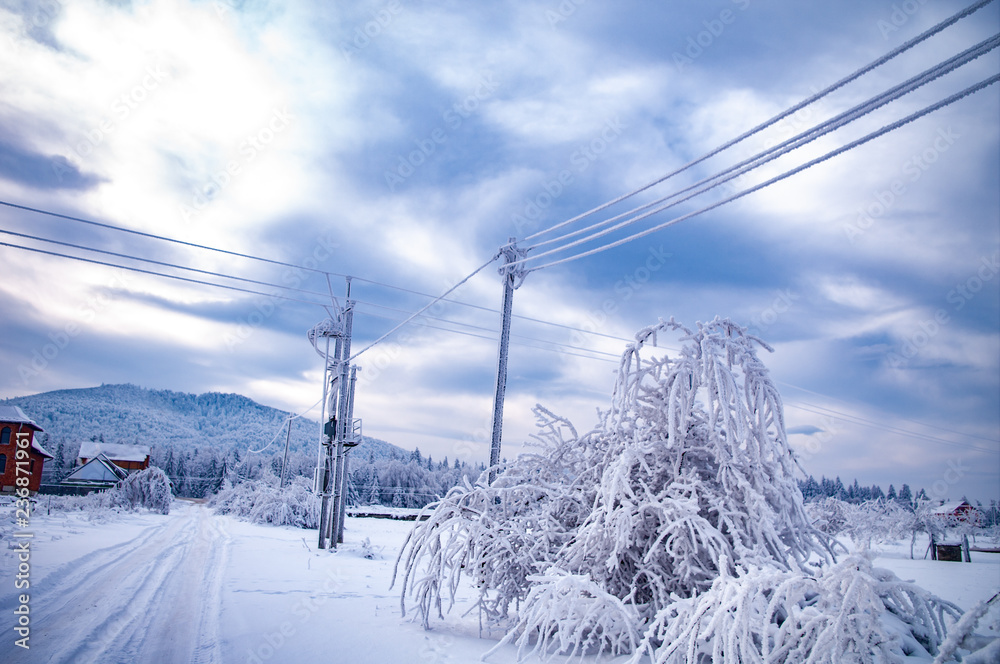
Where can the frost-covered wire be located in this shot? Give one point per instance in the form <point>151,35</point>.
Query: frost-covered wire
<point>281,428</point>
<point>784,114</point>
<point>424,308</point>
<point>829,155</point>
<point>778,150</point>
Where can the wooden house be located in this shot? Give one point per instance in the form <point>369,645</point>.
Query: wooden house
<point>959,511</point>
<point>127,457</point>
<point>21,456</point>
<point>98,473</point>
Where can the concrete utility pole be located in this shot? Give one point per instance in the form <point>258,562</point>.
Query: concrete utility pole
<point>330,388</point>
<point>343,423</point>
<point>513,276</point>
<point>349,443</point>
<point>284,461</point>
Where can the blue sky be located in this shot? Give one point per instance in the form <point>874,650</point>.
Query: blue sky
<point>403,142</point>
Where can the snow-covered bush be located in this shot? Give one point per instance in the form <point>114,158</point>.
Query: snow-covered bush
<point>262,502</point>
<point>147,488</point>
<point>676,524</point>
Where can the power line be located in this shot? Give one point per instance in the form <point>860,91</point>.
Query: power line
<point>158,274</point>
<point>784,114</point>
<point>781,149</point>
<point>517,343</point>
<point>923,424</point>
<point>274,262</point>
<point>853,144</point>
<point>476,327</point>
<point>819,410</point>
<point>162,263</point>
<point>425,308</point>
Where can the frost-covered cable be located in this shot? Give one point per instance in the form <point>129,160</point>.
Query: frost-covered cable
<point>163,263</point>
<point>784,114</point>
<point>783,148</point>
<point>611,357</point>
<point>153,236</point>
<point>282,427</point>
<point>854,419</point>
<point>481,328</point>
<point>425,308</point>
<point>853,144</point>
<point>157,274</point>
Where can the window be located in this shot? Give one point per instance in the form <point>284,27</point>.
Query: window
<point>3,463</point>
<point>5,436</point>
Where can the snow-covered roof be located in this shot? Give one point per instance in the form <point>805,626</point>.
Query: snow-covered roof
<point>99,470</point>
<point>949,508</point>
<point>114,451</point>
<point>15,415</point>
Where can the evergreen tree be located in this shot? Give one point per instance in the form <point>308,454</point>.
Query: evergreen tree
<point>905,496</point>
<point>892,493</point>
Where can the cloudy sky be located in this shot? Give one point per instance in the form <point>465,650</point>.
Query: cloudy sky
<point>404,141</point>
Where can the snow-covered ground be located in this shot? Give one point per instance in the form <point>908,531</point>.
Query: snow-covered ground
<point>196,587</point>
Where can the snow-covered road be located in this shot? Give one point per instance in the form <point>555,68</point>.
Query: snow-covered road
<point>194,587</point>
<point>153,598</point>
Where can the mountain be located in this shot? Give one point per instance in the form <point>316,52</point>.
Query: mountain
<point>177,421</point>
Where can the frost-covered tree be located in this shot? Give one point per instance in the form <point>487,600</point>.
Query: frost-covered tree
<point>620,539</point>
<point>149,488</point>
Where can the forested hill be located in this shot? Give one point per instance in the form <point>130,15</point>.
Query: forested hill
<point>168,420</point>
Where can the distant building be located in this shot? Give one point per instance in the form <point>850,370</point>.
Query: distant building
<point>126,457</point>
<point>959,510</point>
<point>97,473</point>
<point>17,432</point>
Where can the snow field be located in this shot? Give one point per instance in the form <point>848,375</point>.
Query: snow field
<point>193,586</point>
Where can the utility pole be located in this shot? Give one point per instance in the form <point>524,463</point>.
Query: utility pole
<point>330,390</point>
<point>343,423</point>
<point>349,443</point>
<point>513,276</point>
<point>284,462</point>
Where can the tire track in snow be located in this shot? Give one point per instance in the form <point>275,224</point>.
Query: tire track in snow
<point>155,598</point>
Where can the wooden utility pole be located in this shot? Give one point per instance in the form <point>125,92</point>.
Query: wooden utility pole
<point>512,278</point>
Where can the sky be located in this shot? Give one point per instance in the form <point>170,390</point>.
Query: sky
<point>403,142</point>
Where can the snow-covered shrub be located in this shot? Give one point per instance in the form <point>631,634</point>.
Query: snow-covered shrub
<point>261,502</point>
<point>679,512</point>
<point>828,515</point>
<point>147,488</point>
<point>763,614</point>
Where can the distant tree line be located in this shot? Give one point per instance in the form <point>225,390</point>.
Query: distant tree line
<point>398,478</point>
<point>856,494</point>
